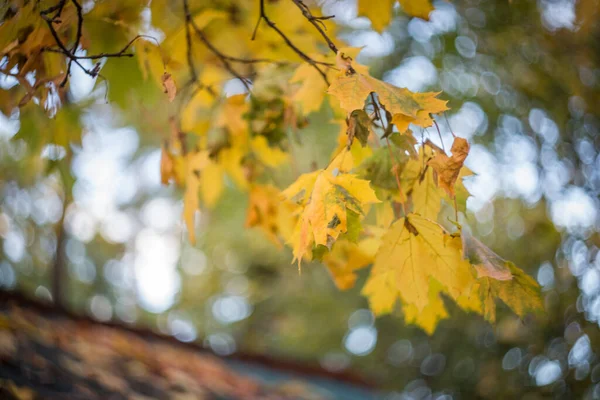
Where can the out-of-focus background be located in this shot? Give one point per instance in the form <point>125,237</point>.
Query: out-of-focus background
<point>523,83</point>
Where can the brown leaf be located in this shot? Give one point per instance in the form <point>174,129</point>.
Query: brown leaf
<point>486,262</point>
<point>169,86</point>
<point>358,127</point>
<point>448,168</point>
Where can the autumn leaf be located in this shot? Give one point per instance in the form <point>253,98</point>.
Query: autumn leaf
<point>429,104</point>
<point>432,314</point>
<point>264,211</point>
<point>359,127</point>
<point>379,12</point>
<point>169,86</point>
<point>413,251</point>
<point>270,156</point>
<point>166,166</point>
<point>358,152</point>
<point>325,198</point>
<point>448,168</point>
<point>312,89</point>
<point>346,258</point>
<point>395,100</point>
<point>522,294</point>
<point>196,162</point>
<point>417,8</point>
<point>351,91</point>
<point>486,262</point>
<point>427,196</point>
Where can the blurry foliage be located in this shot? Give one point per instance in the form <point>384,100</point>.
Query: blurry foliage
<point>522,83</point>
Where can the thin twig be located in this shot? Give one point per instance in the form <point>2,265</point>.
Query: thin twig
<point>288,42</point>
<point>440,134</point>
<point>188,40</point>
<point>449,127</point>
<point>317,22</point>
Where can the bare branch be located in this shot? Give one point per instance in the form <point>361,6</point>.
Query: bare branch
<point>224,59</point>
<point>288,42</point>
<point>317,23</point>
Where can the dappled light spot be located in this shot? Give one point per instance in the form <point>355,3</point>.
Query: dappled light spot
<point>361,340</point>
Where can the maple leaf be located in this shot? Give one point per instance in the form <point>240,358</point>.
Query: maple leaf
<point>380,12</point>
<point>432,314</point>
<point>358,152</point>
<point>211,183</point>
<point>351,91</point>
<point>312,90</point>
<point>486,262</point>
<point>428,104</point>
<point>325,197</point>
<point>427,196</point>
<point>312,87</point>
<point>395,100</point>
<point>346,258</point>
<point>359,127</point>
<point>417,8</point>
<point>448,168</point>
<point>413,251</point>
<point>196,162</point>
<point>265,211</point>
<point>270,156</point>
<point>166,166</point>
<point>521,294</point>
<point>461,191</point>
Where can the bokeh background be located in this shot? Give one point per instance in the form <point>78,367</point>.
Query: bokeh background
<point>523,83</point>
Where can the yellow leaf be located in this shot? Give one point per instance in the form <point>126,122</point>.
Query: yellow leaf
<point>351,91</point>
<point>312,91</point>
<point>417,8</point>
<point>359,153</point>
<point>413,251</point>
<point>347,257</point>
<point>428,104</point>
<point>264,211</point>
<point>521,294</point>
<point>230,159</point>
<point>299,191</point>
<point>427,197</point>
<point>211,183</point>
<point>166,166</point>
<point>381,291</point>
<point>379,12</point>
<point>341,163</point>
<point>150,60</point>
<point>324,198</point>
<point>270,156</point>
<point>448,168</point>
<point>232,114</point>
<point>395,100</point>
<point>195,164</point>
<point>432,314</point>
<point>357,191</point>
<point>461,191</point>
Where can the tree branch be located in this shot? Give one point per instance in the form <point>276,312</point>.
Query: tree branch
<point>317,22</point>
<point>288,42</point>
<point>70,53</point>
